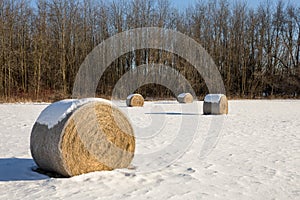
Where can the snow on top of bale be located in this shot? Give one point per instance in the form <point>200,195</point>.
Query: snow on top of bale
<point>182,95</point>
<point>213,98</point>
<point>130,96</point>
<point>57,111</point>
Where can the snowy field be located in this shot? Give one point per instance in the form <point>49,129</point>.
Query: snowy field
<point>252,153</point>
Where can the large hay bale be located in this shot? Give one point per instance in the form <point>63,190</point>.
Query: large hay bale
<point>185,98</point>
<point>215,104</point>
<point>135,100</point>
<point>73,137</point>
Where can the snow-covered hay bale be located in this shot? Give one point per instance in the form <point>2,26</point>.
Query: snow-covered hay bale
<point>135,100</point>
<point>215,104</point>
<point>73,137</point>
<point>185,98</point>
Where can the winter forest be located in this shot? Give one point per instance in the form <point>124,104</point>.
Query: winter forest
<point>44,42</point>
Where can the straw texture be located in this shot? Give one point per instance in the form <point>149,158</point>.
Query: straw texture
<point>96,136</point>
<point>135,100</point>
<point>185,98</point>
<point>216,108</point>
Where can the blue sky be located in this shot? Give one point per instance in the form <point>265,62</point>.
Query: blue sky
<point>182,4</point>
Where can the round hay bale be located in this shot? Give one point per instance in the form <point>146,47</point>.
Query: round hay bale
<point>185,98</point>
<point>215,104</point>
<point>135,100</point>
<point>73,137</point>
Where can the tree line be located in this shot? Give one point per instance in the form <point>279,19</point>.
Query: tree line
<point>44,42</point>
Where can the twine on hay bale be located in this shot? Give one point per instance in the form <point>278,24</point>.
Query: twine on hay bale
<point>185,98</point>
<point>215,104</point>
<point>73,137</point>
<point>135,100</point>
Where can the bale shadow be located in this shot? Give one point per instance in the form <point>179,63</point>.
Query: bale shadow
<point>166,102</point>
<point>172,113</point>
<point>19,169</point>
<point>122,106</point>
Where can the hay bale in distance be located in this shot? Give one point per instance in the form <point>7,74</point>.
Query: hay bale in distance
<point>215,104</point>
<point>135,100</point>
<point>73,137</point>
<point>185,98</point>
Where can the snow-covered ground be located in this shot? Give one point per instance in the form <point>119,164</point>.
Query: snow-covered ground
<point>252,153</point>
